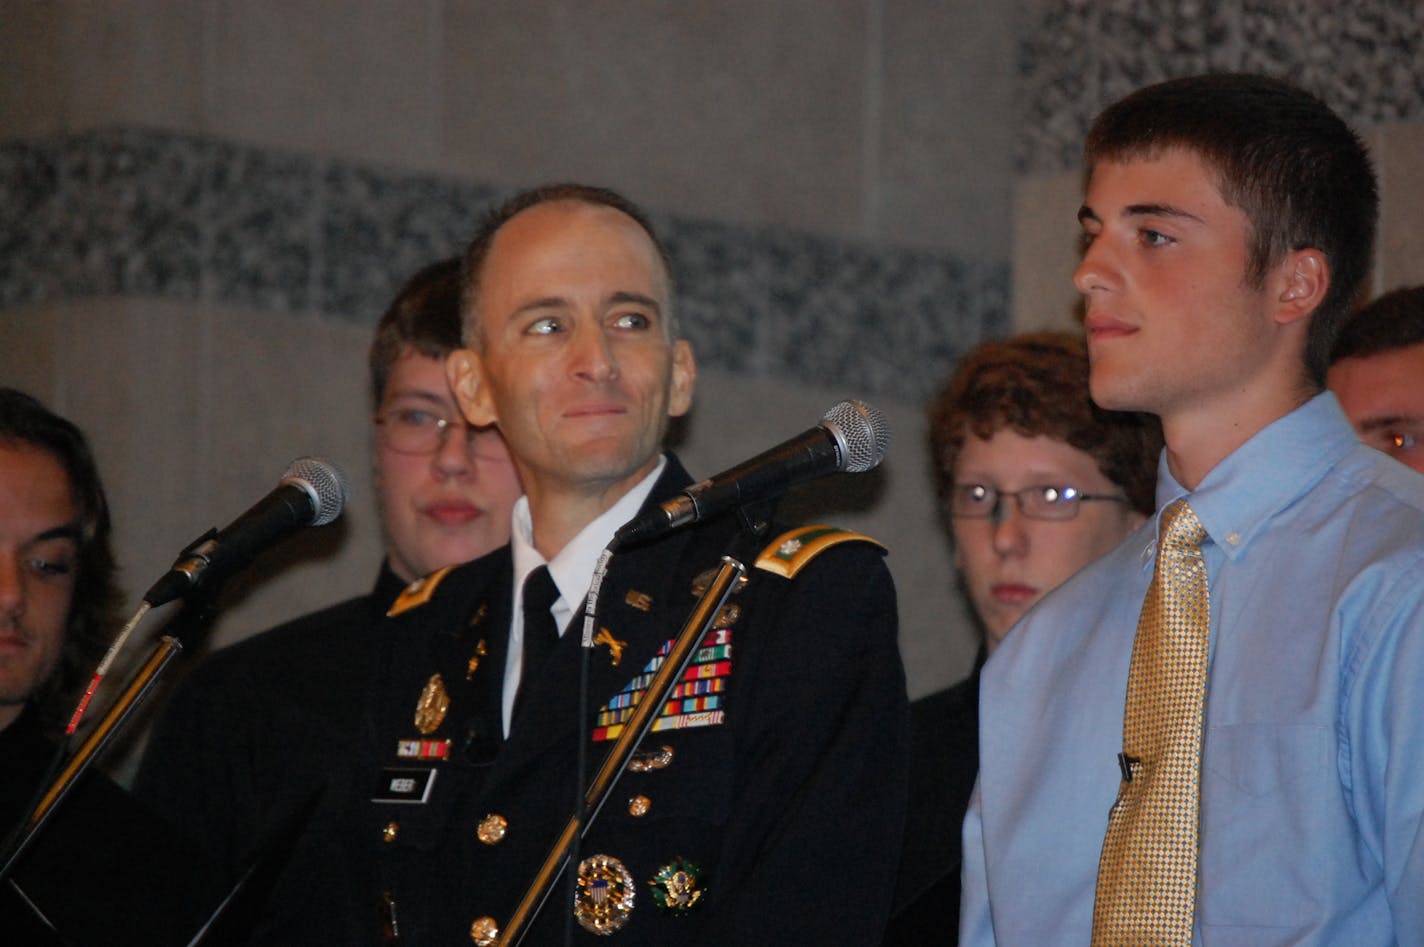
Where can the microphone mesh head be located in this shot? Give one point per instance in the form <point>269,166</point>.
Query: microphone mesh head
<point>863,432</point>
<point>324,481</point>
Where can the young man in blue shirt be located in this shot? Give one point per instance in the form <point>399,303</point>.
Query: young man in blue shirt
<point>1228,222</point>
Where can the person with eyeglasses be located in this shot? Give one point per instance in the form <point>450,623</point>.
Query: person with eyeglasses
<point>445,488</point>
<point>269,726</point>
<point>1035,482</point>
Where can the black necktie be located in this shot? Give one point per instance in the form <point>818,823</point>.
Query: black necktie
<point>541,634</point>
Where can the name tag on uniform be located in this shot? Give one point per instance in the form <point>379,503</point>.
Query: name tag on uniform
<point>405,784</point>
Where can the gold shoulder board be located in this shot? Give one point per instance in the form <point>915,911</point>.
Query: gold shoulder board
<point>789,553</point>
<point>418,592</point>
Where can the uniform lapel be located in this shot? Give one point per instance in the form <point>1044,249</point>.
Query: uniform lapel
<point>465,645</point>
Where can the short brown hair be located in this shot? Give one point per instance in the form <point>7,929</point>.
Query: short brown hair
<point>1294,168</point>
<point>423,318</point>
<point>1037,385</point>
<point>1393,321</point>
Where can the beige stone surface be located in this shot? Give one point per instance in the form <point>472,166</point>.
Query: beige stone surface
<point>73,64</point>
<point>32,70</point>
<point>946,134</point>
<point>1046,252</point>
<point>749,111</point>
<point>360,80</point>
<point>878,120</point>
<point>1399,254</point>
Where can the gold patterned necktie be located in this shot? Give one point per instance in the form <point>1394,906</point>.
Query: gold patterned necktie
<point>1147,876</point>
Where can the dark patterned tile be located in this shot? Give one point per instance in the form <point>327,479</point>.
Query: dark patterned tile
<point>147,205</point>
<point>873,321</point>
<point>379,228</point>
<point>142,212</point>
<point>721,290</point>
<point>1360,56</point>
<point>1057,85</point>
<point>108,211</point>
<point>264,218</point>
<point>33,232</point>
<point>1139,42</point>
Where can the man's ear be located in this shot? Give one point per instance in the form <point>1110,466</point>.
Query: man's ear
<point>464,371</point>
<point>1304,279</point>
<point>684,375</point>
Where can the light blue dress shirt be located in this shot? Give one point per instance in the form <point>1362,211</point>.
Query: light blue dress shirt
<point>1313,755</point>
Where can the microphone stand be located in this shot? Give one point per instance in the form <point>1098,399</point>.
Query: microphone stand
<point>756,520</point>
<point>197,615</point>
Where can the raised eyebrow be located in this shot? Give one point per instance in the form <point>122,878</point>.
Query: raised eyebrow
<point>1159,210</point>
<point>1086,213</point>
<point>638,299</point>
<point>418,394</point>
<point>544,302</point>
<point>1389,420</point>
<point>68,531</point>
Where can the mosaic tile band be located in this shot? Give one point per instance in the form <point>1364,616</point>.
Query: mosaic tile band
<point>143,212</point>
<point>1360,56</point>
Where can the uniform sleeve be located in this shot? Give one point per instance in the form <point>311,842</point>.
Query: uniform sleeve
<point>818,816</point>
<point>976,925</point>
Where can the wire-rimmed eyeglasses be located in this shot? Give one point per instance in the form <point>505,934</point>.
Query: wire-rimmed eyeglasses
<point>1047,502</point>
<point>418,431</point>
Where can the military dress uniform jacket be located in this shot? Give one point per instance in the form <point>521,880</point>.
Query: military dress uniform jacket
<point>260,752</point>
<point>781,800</point>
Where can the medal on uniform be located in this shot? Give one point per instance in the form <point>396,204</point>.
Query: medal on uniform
<point>430,709</point>
<point>645,761</point>
<point>604,898</point>
<point>675,886</point>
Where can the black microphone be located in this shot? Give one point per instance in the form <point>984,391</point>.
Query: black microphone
<point>852,437</point>
<point>311,493</point>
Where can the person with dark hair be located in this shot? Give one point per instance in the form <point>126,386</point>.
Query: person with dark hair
<point>100,855</point>
<point>53,673</point>
<point>765,804</point>
<point>260,729</point>
<point>1377,372</point>
<point>1035,482</point>
<point>1210,734</point>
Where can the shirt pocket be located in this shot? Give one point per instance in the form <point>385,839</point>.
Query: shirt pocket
<point>1263,798</point>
